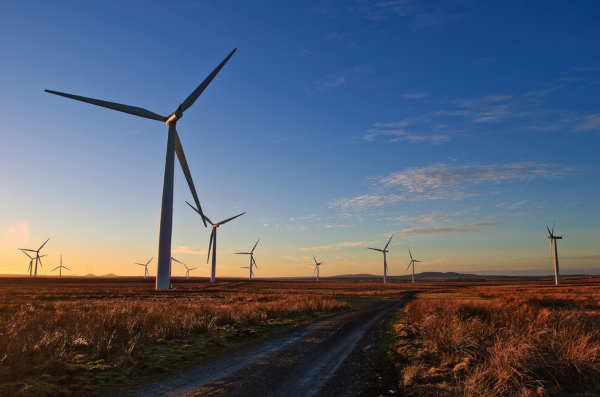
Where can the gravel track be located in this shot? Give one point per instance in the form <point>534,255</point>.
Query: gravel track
<point>329,357</point>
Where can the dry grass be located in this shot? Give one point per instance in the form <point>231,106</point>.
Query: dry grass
<point>47,326</point>
<point>523,340</point>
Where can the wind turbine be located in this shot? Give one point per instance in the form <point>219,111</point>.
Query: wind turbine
<point>385,266</point>
<point>60,267</point>
<point>412,262</point>
<point>38,258</point>
<point>145,267</point>
<point>317,268</point>
<point>173,146</point>
<point>213,240</point>
<point>553,239</point>
<point>31,258</point>
<point>187,274</point>
<point>252,261</point>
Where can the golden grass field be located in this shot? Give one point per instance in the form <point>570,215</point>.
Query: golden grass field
<point>500,339</point>
<point>79,336</point>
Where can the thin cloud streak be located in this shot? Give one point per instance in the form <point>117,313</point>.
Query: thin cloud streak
<point>340,246</point>
<point>449,182</point>
<point>450,229</point>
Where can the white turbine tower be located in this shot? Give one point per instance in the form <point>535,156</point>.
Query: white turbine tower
<point>385,266</point>
<point>145,267</point>
<point>252,261</point>
<point>317,264</point>
<point>60,267</point>
<point>38,258</point>
<point>213,240</point>
<point>173,146</point>
<point>412,262</point>
<point>553,239</point>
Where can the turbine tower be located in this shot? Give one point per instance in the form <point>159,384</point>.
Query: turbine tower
<point>38,258</point>
<point>317,264</point>
<point>252,261</point>
<point>213,240</point>
<point>173,146</point>
<point>385,266</point>
<point>553,239</point>
<point>412,262</point>
<point>31,258</point>
<point>60,267</point>
<point>145,267</point>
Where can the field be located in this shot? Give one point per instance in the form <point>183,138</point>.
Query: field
<point>77,336</point>
<point>499,339</point>
<point>91,336</point>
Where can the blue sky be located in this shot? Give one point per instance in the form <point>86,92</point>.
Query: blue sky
<point>461,127</point>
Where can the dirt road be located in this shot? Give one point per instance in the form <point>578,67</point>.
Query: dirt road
<point>329,357</point>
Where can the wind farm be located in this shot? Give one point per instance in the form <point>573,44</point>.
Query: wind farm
<point>344,130</point>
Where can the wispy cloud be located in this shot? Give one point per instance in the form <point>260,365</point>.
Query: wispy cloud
<point>400,131</point>
<point>415,95</point>
<point>446,229</point>
<point>431,218</point>
<point>589,123</point>
<point>190,250</point>
<point>340,246</point>
<point>341,79</point>
<point>448,182</point>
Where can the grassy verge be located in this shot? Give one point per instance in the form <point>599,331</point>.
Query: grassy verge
<point>93,347</point>
<point>462,347</point>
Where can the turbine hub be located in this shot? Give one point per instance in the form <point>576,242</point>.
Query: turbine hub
<point>175,116</point>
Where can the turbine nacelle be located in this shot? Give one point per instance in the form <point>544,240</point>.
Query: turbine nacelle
<point>175,116</point>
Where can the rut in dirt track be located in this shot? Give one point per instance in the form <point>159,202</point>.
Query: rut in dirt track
<point>299,362</point>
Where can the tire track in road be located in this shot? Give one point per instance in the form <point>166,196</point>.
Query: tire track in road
<point>298,362</point>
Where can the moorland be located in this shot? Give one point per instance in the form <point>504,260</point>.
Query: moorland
<point>95,336</point>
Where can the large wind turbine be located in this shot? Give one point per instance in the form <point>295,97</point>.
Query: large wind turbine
<point>317,264</point>
<point>60,267</point>
<point>553,239</point>
<point>38,258</point>
<point>412,262</point>
<point>385,266</point>
<point>145,267</point>
<point>173,146</point>
<point>252,261</point>
<point>213,240</point>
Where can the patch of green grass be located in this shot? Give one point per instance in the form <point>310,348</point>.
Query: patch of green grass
<point>448,295</point>
<point>358,302</point>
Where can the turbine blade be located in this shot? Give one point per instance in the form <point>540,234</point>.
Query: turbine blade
<point>39,249</point>
<point>194,95</point>
<point>408,267</point>
<point>375,249</point>
<point>388,242</point>
<point>410,253</point>
<point>242,253</point>
<point>553,228</point>
<point>67,268</point>
<point>23,251</point>
<point>315,270</point>
<point>254,261</point>
<point>188,175</point>
<point>114,106</point>
<point>210,244</point>
<point>255,245</point>
<point>244,267</point>
<point>57,267</point>
<point>149,261</point>
<point>549,232</point>
<point>230,219</point>
<point>315,260</point>
<point>178,261</point>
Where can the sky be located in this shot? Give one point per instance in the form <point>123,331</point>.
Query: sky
<point>462,128</point>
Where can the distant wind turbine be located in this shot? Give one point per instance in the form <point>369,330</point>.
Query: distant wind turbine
<point>60,267</point>
<point>317,264</point>
<point>187,274</point>
<point>385,266</point>
<point>173,146</point>
<point>252,261</point>
<point>31,258</point>
<point>553,239</point>
<point>213,240</point>
<point>412,262</point>
<point>38,258</point>
<point>145,267</point>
